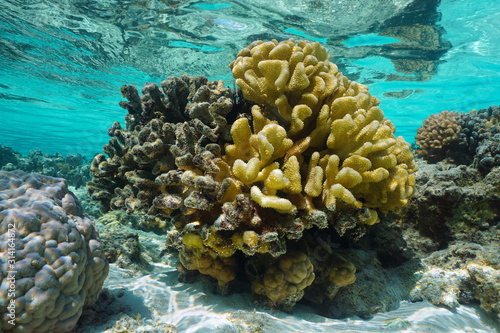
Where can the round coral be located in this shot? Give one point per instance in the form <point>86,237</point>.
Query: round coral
<point>51,260</point>
<point>288,277</point>
<point>342,274</point>
<point>436,133</point>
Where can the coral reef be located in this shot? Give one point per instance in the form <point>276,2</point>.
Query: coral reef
<point>461,138</point>
<point>72,167</point>
<point>452,222</point>
<point>437,132</point>
<point>309,150</point>
<point>452,225</point>
<point>52,263</point>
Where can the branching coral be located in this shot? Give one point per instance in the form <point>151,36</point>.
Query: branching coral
<point>312,150</point>
<point>140,157</point>
<point>331,126</point>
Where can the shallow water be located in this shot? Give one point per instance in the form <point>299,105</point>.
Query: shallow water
<point>161,298</point>
<point>63,62</point>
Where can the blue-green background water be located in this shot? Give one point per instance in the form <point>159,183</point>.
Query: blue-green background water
<point>62,63</point>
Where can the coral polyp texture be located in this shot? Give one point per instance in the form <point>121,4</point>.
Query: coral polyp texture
<point>51,260</point>
<point>244,176</point>
<point>438,131</point>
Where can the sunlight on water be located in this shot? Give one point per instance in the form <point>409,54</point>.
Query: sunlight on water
<point>192,309</point>
<point>63,64</point>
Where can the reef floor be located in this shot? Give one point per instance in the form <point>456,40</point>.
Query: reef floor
<point>149,298</point>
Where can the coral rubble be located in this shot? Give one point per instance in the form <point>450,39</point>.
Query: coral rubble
<point>245,179</point>
<point>51,260</point>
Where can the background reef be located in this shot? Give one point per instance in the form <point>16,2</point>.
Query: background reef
<point>470,138</point>
<point>75,168</point>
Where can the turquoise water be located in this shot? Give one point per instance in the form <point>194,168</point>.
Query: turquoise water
<point>62,63</point>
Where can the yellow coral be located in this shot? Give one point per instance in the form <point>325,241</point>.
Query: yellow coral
<point>272,201</point>
<point>331,124</point>
<point>296,84</point>
<point>194,255</point>
<point>342,273</point>
<point>289,276</point>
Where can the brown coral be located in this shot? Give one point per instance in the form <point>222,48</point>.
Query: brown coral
<point>52,263</point>
<point>437,132</point>
<point>135,174</point>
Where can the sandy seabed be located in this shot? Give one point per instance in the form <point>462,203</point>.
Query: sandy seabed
<point>160,303</point>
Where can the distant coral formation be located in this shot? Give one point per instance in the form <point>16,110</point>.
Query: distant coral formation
<point>51,261</point>
<point>437,132</point>
<point>244,178</point>
<point>462,138</point>
<point>72,167</point>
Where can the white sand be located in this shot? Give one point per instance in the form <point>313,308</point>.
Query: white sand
<point>158,299</point>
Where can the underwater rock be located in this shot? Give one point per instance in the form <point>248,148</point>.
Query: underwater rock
<point>452,225</point>
<point>52,261</point>
<point>455,203</point>
<point>463,273</point>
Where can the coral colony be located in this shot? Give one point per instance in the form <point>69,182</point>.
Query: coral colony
<point>246,179</point>
<point>55,264</point>
<point>249,184</point>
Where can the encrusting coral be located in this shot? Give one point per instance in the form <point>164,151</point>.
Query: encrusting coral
<point>52,263</point>
<point>304,148</point>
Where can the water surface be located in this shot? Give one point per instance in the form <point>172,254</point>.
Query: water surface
<point>62,63</point>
